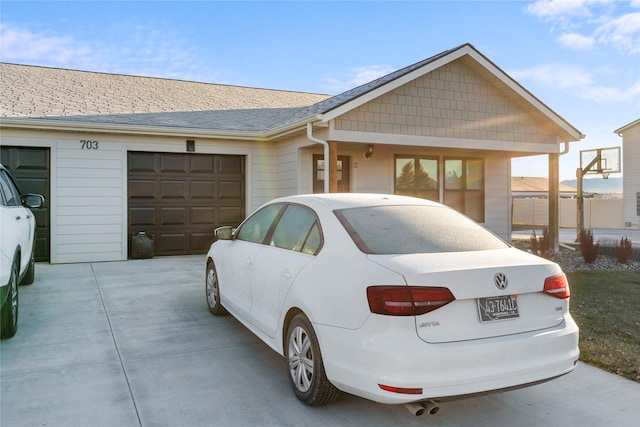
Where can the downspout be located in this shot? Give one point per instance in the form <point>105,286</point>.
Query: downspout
<point>325,144</point>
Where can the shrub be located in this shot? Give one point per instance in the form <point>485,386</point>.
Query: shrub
<point>540,245</point>
<point>588,248</point>
<point>623,250</point>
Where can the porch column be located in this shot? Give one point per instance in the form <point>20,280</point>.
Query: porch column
<point>332,164</point>
<point>554,202</point>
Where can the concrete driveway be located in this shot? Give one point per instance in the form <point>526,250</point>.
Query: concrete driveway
<point>132,344</point>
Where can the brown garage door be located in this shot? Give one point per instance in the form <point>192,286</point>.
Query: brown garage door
<point>30,167</point>
<point>180,198</point>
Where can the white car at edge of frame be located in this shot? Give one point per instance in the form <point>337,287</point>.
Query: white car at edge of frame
<point>391,298</point>
<point>17,248</point>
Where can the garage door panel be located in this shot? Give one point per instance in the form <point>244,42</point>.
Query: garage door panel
<point>203,215</point>
<point>32,159</point>
<point>230,216</point>
<point>145,189</point>
<point>173,216</point>
<point>142,162</point>
<point>34,185</point>
<point>203,189</point>
<point>202,164</point>
<point>172,244</point>
<point>174,163</point>
<point>229,189</point>
<point>231,165</point>
<point>139,217</point>
<point>173,190</point>
<point>200,242</point>
<point>184,198</point>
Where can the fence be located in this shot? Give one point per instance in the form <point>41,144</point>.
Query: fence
<point>598,213</point>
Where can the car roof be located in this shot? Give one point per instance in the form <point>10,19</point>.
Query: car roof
<point>334,201</point>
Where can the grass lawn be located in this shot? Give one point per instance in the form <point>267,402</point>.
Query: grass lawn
<point>606,307</point>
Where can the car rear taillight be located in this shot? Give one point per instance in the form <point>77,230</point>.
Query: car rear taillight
<point>407,300</point>
<point>557,286</point>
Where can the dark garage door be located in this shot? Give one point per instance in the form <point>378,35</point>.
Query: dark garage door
<point>180,198</point>
<point>30,167</point>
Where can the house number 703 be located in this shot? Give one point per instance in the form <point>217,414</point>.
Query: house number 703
<point>88,145</point>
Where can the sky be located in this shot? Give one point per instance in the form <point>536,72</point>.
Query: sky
<point>579,57</point>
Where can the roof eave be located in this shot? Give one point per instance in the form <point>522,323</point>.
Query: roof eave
<point>126,129</point>
<point>624,128</point>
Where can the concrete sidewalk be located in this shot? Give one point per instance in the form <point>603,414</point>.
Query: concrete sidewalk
<point>132,344</point>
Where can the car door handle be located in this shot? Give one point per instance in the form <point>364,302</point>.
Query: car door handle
<point>18,217</point>
<point>286,274</point>
<point>248,261</point>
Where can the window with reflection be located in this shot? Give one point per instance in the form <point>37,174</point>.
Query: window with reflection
<point>464,186</point>
<point>462,181</point>
<point>417,176</point>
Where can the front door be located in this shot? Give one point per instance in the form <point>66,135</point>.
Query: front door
<point>344,174</point>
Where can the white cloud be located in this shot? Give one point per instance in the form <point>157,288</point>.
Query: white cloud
<point>356,77</point>
<point>603,22</point>
<point>137,50</point>
<point>556,75</point>
<point>579,82</point>
<point>623,33</point>
<point>23,45</point>
<point>559,10</point>
<point>575,41</point>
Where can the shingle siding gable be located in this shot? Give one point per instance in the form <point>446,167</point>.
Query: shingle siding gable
<point>452,101</point>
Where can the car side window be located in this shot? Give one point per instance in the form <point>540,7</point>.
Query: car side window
<point>297,230</point>
<point>10,193</point>
<point>255,228</point>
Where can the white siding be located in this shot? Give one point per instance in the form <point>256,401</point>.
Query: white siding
<point>498,196</point>
<point>90,187</point>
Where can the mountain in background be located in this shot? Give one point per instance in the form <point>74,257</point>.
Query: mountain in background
<point>597,185</point>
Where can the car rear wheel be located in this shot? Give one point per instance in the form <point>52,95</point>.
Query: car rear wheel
<point>304,364</point>
<point>213,291</point>
<point>30,276</point>
<point>9,313</point>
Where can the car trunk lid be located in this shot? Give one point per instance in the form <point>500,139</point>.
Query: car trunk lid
<point>497,292</point>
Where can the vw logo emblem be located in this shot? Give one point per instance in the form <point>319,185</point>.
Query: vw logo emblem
<point>501,281</point>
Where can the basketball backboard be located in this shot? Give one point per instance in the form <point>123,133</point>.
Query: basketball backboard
<point>600,160</point>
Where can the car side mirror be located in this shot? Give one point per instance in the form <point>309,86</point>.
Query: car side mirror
<point>33,200</point>
<point>223,233</point>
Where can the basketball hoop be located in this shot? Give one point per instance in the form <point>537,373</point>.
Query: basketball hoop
<point>600,161</point>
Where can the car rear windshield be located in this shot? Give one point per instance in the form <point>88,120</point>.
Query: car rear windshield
<point>411,229</point>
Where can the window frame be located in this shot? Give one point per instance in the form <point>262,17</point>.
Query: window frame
<point>443,193</point>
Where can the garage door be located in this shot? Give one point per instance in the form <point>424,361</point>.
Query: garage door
<point>180,198</point>
<point>30,167</point>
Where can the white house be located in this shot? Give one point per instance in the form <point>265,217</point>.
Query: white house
<point>631,166</point>
<point>116,155</point>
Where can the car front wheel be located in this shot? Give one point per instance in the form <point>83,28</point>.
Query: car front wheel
<point>9,312</point>
<point>304,364</point>
<point>213,291</point>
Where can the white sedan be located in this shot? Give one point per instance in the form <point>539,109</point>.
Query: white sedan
<point>391,298</point>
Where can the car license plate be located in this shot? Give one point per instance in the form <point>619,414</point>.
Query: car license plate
<point>498,308</point>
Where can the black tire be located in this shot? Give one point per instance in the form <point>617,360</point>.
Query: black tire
<point>9,312</point>
<point>304,364</point>
<point>30,275</point>
<point>212,290</point>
